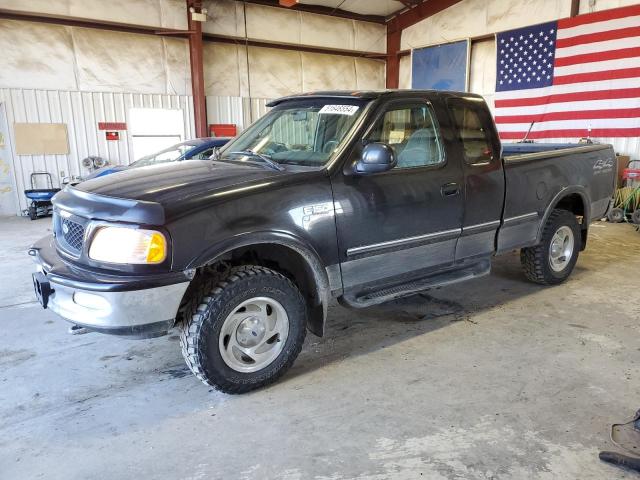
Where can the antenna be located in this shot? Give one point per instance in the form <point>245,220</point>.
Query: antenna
<point>524,140</point>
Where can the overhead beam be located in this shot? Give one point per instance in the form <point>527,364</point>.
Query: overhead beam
<point>398,23</point>
<point>88,23</point>
<point>319,9</point>
<point>209,37</point>
<point>409,3</point>
<point>420,11</point>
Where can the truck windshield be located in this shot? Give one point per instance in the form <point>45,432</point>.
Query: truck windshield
<point>299,132</point>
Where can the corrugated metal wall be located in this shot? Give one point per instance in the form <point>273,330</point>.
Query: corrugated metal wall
<point>241,111</point>
<point>81,112</point>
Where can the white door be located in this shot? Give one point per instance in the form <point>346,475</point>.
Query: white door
<point>154,129</point>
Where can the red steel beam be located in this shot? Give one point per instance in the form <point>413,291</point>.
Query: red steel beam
<point>210,37</point>
<point>197,71</point>
<point>396,24</point>
<point>393,59</point>
<point>89,23</point>
<point>422,10</point>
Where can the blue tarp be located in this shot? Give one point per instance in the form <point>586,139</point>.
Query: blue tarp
<point>443,67</point>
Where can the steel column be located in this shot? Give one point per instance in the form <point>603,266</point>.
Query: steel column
<point>197,71</point>
<point>393,55</point>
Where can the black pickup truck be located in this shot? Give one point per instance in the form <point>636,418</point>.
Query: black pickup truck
<point>362,196</point>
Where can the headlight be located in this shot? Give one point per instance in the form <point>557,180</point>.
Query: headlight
<point>128,245</point>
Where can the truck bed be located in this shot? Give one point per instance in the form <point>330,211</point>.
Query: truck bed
<point>512,149</point>
<point>537,175</point>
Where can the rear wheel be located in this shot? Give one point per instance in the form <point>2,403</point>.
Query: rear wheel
<point>552,260</point>
<point>245,331</point>
<point>33,212</point>
<point>635,218</point>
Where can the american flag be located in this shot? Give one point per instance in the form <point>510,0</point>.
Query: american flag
<point>575,77</point>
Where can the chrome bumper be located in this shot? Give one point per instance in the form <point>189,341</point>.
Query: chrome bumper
<point>140,313</point>
<point>139,307</point>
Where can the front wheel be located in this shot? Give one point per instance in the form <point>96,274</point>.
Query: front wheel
<point>552,260</point>
<point>245,331</point>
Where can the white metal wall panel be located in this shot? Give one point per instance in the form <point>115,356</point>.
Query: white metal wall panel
<point>81,112</point>
<point>237,110</point>
<point>225,110</point>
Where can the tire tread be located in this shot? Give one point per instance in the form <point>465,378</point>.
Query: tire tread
<point>535,259</point>
<point>208,298</point>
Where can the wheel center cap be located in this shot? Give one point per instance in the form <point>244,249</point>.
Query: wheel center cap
<point>250,332</point>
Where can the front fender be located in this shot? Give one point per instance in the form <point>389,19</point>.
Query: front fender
<point>312,259</point>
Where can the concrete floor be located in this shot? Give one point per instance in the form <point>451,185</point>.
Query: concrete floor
<point>494,379</point>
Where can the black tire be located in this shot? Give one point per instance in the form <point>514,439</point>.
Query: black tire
<point>635,218</point>
<point>202,324</point>
<point>615,215</point>
<point>33,212</point>
<point>536,260</point>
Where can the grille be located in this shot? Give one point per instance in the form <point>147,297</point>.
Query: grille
<point>73,234</point>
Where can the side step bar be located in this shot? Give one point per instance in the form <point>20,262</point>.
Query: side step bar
<point>388,293</point>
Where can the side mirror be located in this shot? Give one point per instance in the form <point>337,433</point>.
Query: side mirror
<point>376,158</point>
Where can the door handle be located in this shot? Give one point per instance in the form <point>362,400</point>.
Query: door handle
<point>450,189</point>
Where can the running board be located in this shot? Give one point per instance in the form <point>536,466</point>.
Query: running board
<point>388,293</point>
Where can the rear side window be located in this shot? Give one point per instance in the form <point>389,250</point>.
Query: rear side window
<point>413,135</point>
<point>472,131</point>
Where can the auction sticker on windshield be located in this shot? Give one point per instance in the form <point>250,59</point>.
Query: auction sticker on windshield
<point>339,109</point>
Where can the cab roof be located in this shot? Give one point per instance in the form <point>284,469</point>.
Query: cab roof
<point>367,94</point>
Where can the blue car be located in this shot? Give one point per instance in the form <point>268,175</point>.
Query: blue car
<point>196,149</point>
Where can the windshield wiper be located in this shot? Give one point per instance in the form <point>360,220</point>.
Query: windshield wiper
<point>261,156</point>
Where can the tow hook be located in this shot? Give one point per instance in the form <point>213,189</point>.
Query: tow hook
<point>77,330</point>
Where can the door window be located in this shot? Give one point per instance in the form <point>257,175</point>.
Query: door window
<point>476,140</point>
<point>412,133</point>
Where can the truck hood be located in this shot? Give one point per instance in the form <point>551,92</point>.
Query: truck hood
<point>172,183</point>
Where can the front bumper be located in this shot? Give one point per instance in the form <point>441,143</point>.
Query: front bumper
<point>140,307</point>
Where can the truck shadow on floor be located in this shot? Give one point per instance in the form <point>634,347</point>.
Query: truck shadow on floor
<point>351,332</point>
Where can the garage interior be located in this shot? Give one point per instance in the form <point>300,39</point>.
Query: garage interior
<point>495,378</point>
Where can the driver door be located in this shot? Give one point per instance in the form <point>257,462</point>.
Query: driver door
<point>404,222</point>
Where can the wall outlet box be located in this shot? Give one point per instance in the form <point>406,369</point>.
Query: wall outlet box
<point>198,17</point>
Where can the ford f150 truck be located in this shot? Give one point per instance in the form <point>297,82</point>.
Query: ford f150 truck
<point>361,196</point>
